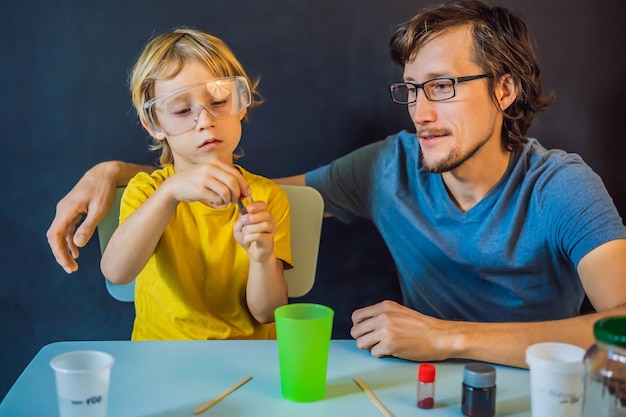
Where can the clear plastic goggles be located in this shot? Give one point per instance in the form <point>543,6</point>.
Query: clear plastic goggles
<point>178,112</point>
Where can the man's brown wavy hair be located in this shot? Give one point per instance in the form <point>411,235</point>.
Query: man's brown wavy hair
<point>501,46</point>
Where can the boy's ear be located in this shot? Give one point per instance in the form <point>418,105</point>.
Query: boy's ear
<point>157,136</point>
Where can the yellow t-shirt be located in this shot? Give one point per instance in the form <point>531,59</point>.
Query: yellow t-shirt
<point>194,285</point>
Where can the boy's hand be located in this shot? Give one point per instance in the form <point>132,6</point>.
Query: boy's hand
<point>215,184</point>
<point>255,230</point>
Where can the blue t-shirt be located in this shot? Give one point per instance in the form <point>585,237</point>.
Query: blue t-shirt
<point>511,257</point>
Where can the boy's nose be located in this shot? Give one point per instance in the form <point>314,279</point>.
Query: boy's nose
<point>204,117</point>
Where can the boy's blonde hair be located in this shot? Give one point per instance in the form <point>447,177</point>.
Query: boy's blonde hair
<point>165,56</point>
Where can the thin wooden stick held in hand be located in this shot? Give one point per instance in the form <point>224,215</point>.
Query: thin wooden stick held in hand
<point>206,406</point>
<point>373,397</point>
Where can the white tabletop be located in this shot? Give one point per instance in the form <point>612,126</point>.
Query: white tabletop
<point>159,379</point>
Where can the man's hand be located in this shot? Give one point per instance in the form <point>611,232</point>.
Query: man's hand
<point>389,329</point>
<point>91,198</point>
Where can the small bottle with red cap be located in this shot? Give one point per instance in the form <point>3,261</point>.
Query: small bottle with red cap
<point>426,386</point>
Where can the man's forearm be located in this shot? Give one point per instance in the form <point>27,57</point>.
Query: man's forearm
<point>117,171</point>
<point>293,180</point>
<point>506,343</point>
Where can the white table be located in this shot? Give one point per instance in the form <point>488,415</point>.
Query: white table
<point>159,379</point>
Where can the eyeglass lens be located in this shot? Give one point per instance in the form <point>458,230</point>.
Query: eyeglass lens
<point>435,90</point>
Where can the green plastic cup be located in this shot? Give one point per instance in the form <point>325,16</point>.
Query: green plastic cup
<point>303,332</point>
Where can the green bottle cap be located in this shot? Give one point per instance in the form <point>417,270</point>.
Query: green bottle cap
<point>611,330</point>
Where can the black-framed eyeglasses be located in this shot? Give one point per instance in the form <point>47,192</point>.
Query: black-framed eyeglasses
<point>437,89</point>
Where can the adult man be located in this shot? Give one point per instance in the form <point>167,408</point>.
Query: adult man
<point>496,240</point>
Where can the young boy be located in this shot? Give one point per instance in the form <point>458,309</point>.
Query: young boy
<point>193,279</point>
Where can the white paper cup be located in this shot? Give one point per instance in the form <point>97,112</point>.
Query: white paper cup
<point>555,379</point>
<point>82,381</point>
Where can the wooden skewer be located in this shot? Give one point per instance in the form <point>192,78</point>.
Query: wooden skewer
<point>373,397</point>
<point>211,403</point>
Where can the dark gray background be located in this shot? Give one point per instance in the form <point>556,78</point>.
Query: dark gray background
<point>324,69</point>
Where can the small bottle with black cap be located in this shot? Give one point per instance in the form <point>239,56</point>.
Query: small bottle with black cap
<point>479,390</point>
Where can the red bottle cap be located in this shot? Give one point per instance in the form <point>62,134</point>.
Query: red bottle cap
<point>426,373</point>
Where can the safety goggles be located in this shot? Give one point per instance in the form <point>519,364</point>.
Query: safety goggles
<point>178,111</point>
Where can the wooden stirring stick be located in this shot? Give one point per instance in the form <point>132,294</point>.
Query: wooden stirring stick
<point>373,397</point>
<point>214,401</point>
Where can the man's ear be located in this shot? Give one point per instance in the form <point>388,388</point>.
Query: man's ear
<point>506,91</point>
<point>242,114</point>
<point>157,136</point>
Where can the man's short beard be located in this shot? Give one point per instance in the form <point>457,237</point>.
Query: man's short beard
<point>452,162</point>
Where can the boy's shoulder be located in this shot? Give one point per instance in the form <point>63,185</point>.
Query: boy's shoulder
<point>261,184</point>
<point>154,178</point>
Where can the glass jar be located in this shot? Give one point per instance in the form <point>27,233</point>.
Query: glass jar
<point>604,389</point>
<point>479,390</point>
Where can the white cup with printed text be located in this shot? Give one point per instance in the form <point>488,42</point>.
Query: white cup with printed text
<point>82,381</point>
<point>555,379</point>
